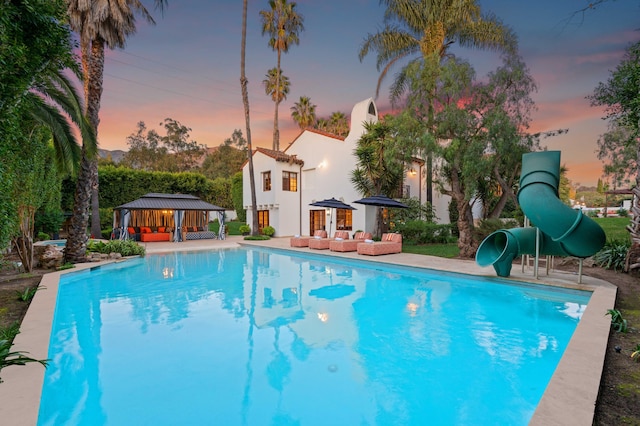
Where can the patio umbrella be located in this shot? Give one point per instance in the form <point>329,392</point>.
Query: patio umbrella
<point>381,200</point>
<point>332,203</point>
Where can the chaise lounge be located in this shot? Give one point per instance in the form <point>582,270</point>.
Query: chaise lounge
<point>390,243</point>
<point>349,245</point>
<point>197,233</point>
<point>323,243</point>
<point>304,241</point>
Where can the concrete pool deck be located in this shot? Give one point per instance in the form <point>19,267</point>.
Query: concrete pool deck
<point>569,398</point>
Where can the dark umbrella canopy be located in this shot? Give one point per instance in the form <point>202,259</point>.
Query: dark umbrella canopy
<point>332,203</point>
<point>382,201</point>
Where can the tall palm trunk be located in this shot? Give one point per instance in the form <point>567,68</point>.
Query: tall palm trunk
<point>276,130</point>
<point>245,101</point>
<point>93,97</point>
<point>77,239</point>
<point>88,175</point>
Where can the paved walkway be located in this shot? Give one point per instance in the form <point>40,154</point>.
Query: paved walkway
<point>569,399</point>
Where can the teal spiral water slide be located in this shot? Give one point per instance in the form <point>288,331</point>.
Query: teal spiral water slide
<point>558,229</point>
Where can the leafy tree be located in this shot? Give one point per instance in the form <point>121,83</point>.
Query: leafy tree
<point>144,152</point>
<point>183,152</point>
<point>98,23</point>
<point>236,140</point>
<point>245,103</point>
<point>283,23</point>
<point>37,181</point>
<point>227,159</point>
<point>483,125</point>
<point>303,113</point>
<point>619,147</point>
<point>172,152</point>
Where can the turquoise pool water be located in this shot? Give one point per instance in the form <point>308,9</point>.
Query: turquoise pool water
<point>258,337</point>
<point>57,243</point>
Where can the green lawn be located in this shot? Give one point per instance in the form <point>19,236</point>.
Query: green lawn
<point>231,226</point>
<point>614,228</point>
<point>441,250</point>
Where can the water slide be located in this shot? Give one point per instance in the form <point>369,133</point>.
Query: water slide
<point>558,229</point>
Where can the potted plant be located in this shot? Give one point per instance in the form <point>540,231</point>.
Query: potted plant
<point>244,229</point>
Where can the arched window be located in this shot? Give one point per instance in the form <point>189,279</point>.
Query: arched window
<point>372,109</point>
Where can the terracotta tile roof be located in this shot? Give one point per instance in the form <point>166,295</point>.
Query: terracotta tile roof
<point>280,156</point>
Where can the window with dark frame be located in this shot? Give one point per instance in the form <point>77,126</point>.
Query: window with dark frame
<point>290,181</point>
<point>266,181</point>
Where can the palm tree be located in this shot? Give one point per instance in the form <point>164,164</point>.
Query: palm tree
<point>99,23</point>
<point>52,102</point>
<point>276,86</point>
<point>283,24</point>
<point>339,123</point>
<point>431,27</point>
<point>245,102</point>
<point>303,112</point>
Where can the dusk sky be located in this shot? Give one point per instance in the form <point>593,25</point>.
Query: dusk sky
<point>187,68</point>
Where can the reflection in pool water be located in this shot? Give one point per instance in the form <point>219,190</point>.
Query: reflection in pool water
<point>258,337</point>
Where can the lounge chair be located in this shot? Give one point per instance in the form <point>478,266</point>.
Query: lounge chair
<point>304,241</point>
<point>349,245</point>
<point>390,243</point>
<point>323,243</point>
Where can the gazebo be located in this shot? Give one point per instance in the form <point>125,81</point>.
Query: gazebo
<point>179,216</point>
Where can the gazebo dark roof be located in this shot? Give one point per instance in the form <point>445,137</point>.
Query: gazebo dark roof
<point>154,201</point>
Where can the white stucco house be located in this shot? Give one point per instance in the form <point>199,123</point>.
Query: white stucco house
<point>317,166</point>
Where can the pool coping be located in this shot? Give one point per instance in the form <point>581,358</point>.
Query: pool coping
<point>569,398</point>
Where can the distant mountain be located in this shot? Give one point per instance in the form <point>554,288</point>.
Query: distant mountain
<point>116,155</point>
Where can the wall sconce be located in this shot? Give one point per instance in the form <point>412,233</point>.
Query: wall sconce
<point>322,165</point>
<point>412,172</point>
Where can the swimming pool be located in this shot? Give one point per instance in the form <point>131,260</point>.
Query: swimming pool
<point>261,337</point>
<point>57,243</point>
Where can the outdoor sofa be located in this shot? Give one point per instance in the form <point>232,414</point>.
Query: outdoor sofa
<point>149,233</point>
<point>349,245</point>
<point>389,243</point>
<point>323,243</point>
<point>299,241</point>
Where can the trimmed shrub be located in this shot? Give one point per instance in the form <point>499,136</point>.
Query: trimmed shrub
<point>269,231</point>
<point>421,232</point>
<point>125,248</point>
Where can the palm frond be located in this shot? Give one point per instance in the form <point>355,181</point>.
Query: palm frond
<point>68,152</point>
